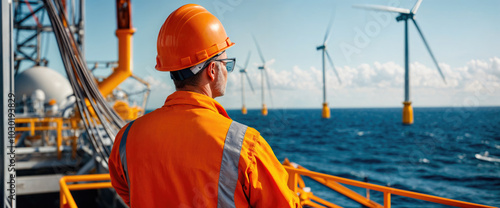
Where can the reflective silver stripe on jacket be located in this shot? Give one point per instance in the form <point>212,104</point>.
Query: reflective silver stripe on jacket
<point>123,153</point>
<point>228,175</point>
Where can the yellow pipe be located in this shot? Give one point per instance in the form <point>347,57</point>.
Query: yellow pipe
<point>66,199</point>
<point>292,182</point>
<point>124,69</point>
<point>407,113</point>
<point>90,177</point>
<point>309,203</point>
<point>59,138</point>
<point>322,201</point>
<point>387,200</point>
<point>347,192</point>
<point>85,186</point>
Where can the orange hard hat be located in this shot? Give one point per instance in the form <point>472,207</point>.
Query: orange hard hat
<point>189,36</point>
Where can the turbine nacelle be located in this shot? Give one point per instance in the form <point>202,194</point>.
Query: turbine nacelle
<point>322,47</point>
<point>403,17</point>
<point>261,67</point>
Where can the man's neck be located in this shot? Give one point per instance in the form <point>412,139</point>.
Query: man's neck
<point>204,90</point>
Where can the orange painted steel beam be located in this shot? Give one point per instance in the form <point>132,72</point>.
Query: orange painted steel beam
<point>341,189</point>
<point>322,201</point>
<point>347,192</point>
<point>292,182</point>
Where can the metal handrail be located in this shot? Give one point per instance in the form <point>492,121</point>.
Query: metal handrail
<point>294,175</point>
<point>61,124</point>
<point>32,128</point>
<point>66,199</point>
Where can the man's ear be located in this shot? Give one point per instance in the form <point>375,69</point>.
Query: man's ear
<point>211,71</point>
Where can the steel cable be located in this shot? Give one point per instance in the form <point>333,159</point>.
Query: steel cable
<point>94,110</point>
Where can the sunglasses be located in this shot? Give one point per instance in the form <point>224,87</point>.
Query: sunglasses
<point>229,63</point>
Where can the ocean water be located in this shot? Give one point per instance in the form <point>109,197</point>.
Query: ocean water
<point>435,155</point>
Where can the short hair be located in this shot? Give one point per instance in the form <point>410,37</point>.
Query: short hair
<point>191,81</point>
<point>195,79</point>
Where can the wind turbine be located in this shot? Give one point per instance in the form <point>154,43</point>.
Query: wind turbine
<point>405,15</point>
<point>263,76</point>
<point>243,72</point>
<point>326,111</point>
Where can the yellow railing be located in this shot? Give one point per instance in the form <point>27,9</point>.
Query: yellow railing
<point>66,200</point>
<point>43,124</point>
<point>295,183</point>
<point>294,180</point>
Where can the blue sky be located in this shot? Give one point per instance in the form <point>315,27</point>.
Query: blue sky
<point>462,34</point>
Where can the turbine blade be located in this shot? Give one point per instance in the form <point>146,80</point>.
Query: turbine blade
<point>258,49</point>
<point>415,8</point>
<point>333,67</point>
<point>328,29</point>
<point>249,82</point>
<point>429,49</point>
<point>268,85</point>
<point>248,58</point>
<point>383,8</point>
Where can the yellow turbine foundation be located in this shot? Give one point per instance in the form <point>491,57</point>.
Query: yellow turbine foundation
<point>326,111</point>
<point>407,113</point>
<point>264,110</point>
<point>244,110</point>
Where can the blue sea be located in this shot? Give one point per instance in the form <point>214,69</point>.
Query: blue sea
<point>435,155</point>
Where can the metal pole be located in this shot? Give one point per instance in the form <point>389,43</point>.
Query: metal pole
<point>81,28</point>
<point>262,84</point>
<point>7,185</point>
<point>407,67</point>
<point>324,82</point>
<point>242,90</point>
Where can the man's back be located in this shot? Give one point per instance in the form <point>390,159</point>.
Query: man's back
<point>176,156</point>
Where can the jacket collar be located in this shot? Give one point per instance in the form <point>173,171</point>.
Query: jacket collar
<point>195,99</point>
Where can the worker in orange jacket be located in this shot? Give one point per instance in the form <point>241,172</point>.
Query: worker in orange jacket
<point>189,153</point>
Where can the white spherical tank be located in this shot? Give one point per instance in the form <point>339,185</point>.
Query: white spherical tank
<point>54,85</point>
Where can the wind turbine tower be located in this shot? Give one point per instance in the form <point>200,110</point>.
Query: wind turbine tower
<point>405,15</point>
<point>326,110</point>
<point>244,73</point>
<point>263,69</point>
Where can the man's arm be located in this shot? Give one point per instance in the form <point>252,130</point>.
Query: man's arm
<point>118,180</point>
<point>268,179</point>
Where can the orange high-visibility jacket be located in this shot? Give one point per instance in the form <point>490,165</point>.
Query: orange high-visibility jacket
<point>189,153</point>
